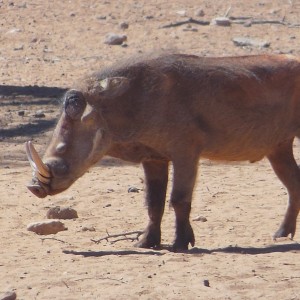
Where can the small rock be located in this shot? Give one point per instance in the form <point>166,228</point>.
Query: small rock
<point>23,5</point>
<point>115,39</point>
<point>72,14</point>
<point>10,295</point>
<point>18,48</point>
<point>46,227</point>
<point>193,29</point>
<point>248,24</point>
<point>221,21</point>
<point>200,218</point>
<point>181,13</point>
<point>148,17</point>
<point>85,228</point>
<point>34,40</point>
<point>14,30</point>
<point>242,42</point>
<point>199,13</point>
<point>61,213</point>
<point>21,113</point>
<point>123,25</point>
<point>39,114</point>
<point>65,198</point>
<point>206,282</point>
<point>133,189</point>
<point>101,18</point>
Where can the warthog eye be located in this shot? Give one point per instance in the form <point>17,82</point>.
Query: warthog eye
<point>74,104</point>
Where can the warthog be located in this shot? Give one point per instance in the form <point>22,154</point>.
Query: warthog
<point>178,108</point>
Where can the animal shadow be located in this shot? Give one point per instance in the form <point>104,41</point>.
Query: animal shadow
<point>282,248</point>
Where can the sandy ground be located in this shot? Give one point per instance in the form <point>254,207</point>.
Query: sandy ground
<point>45,45</point>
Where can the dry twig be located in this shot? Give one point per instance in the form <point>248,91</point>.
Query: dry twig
<point>124,236</point>
<point>235,20</point>
<point>188,21</point>
<point>49,238</point>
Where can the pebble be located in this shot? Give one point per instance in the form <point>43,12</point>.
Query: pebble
<point>248,24</point>
<point>149,17</point>
<point>115,39</point>
<point>242,42</point>
<point>101,17</point>
<point>124,25</point>
<point>206,283</point>
<point>23,5</point>
<point>61,213</point>
<point>10,295</point>
<point>200,218</point>
<point>14,30</point>
<point>133,189</point>
<point>181,13</point>
<point>85,228</point>
<point>46,227</point>
<point>199,12</point>
<point>39,114</point>
<point>193,29</point>
<point>18,48</point>
<point>221,21</point>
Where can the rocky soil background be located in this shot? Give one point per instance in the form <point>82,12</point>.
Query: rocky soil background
<point>45,47</point>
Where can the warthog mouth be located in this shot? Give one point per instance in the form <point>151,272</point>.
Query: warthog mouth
<point>41,173</point>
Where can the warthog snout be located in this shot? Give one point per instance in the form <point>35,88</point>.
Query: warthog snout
<point>44,174</point>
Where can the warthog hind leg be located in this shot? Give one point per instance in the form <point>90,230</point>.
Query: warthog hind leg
<point>285,167</point>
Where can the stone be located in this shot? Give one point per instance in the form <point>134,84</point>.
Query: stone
<point>199,12</point>
<point>124,25</point>
<point>18,48</point>
<point>65,213</point>
<point>10,295</point>
<point>221,21</point>
<point>115,39</point>
<point>200,219</point>
<point>46,227</point>
<point>242,42</point>
<point>86,228</point>
<point>133,189</point>
<point>206,283</point>
<point>181,13</point>
<point>39,114</point>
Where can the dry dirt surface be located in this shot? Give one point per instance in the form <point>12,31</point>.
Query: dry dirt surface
<point>45,46</point>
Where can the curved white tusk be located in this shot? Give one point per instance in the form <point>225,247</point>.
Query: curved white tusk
<point>32,164</point>
<point>41,178</point>
<point>36,161</point>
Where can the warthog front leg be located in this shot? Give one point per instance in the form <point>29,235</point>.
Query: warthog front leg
<point>156,178</point>
<point>285,167</point>
<point>183,184</point>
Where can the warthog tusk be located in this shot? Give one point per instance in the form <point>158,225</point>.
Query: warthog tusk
<point>37,164</point>
<point>42,179</point>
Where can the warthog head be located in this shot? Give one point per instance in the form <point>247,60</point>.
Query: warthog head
<point>80,139</point>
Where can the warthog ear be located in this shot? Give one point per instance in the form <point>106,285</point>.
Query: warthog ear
<point>113,86</point>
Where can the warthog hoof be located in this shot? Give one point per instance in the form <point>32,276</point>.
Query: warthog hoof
<point>284,230</point>
<point>150,239</point>
<point>183,239</point>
